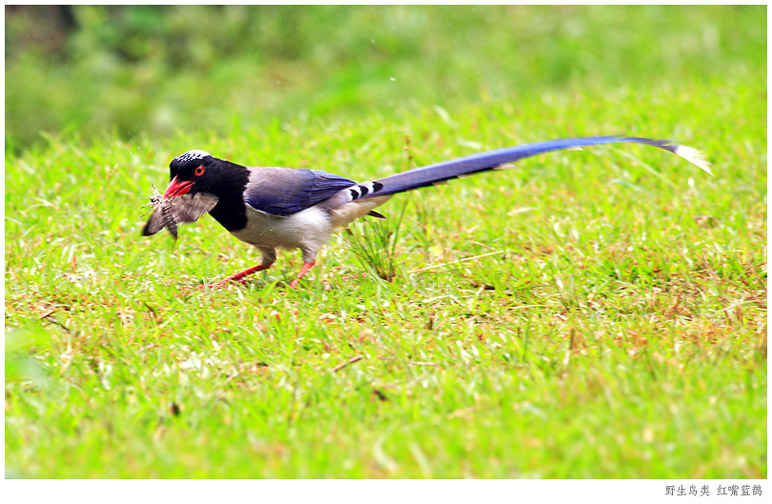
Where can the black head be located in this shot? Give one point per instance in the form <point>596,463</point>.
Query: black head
<point>198,171</point>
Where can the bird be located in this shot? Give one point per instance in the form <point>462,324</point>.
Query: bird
<point>274,208</point>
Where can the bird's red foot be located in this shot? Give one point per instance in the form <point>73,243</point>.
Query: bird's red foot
<point>237,278</point>
<point>306,266</point>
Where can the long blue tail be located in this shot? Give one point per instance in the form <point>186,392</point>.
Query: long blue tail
<point>476,163</point>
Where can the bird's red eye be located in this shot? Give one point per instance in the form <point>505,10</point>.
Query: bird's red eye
<point>199,170</point>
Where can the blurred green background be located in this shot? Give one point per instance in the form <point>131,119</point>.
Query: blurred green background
<point>155,70</point>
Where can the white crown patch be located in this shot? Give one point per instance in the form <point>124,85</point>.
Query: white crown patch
<point>190,155</point>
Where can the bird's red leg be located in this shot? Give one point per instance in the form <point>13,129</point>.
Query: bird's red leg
<point>306,266</point>
<point>239,277</point>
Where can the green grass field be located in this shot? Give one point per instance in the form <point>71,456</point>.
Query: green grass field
<point>588,314</point>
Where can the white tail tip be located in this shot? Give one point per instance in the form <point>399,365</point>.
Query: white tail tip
<point>694,156</point>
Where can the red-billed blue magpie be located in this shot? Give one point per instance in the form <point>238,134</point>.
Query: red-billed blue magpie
<point>271,207</point>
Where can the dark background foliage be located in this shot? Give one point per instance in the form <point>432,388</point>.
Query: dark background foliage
<point>153,70</point>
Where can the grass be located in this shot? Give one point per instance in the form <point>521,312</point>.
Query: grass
<point>375,244</point>
<point>607,329</point>
<point>588,314</point>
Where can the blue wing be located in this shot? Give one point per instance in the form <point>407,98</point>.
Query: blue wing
<point>284,191</point>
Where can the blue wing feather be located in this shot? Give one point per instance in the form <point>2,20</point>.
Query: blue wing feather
<point>284,191</point>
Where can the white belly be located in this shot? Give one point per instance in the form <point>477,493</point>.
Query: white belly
<point>308,229</point>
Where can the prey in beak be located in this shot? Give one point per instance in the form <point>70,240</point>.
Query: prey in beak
<point>176,206</point>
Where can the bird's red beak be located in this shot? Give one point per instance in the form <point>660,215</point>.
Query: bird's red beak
<point>177,188</point>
